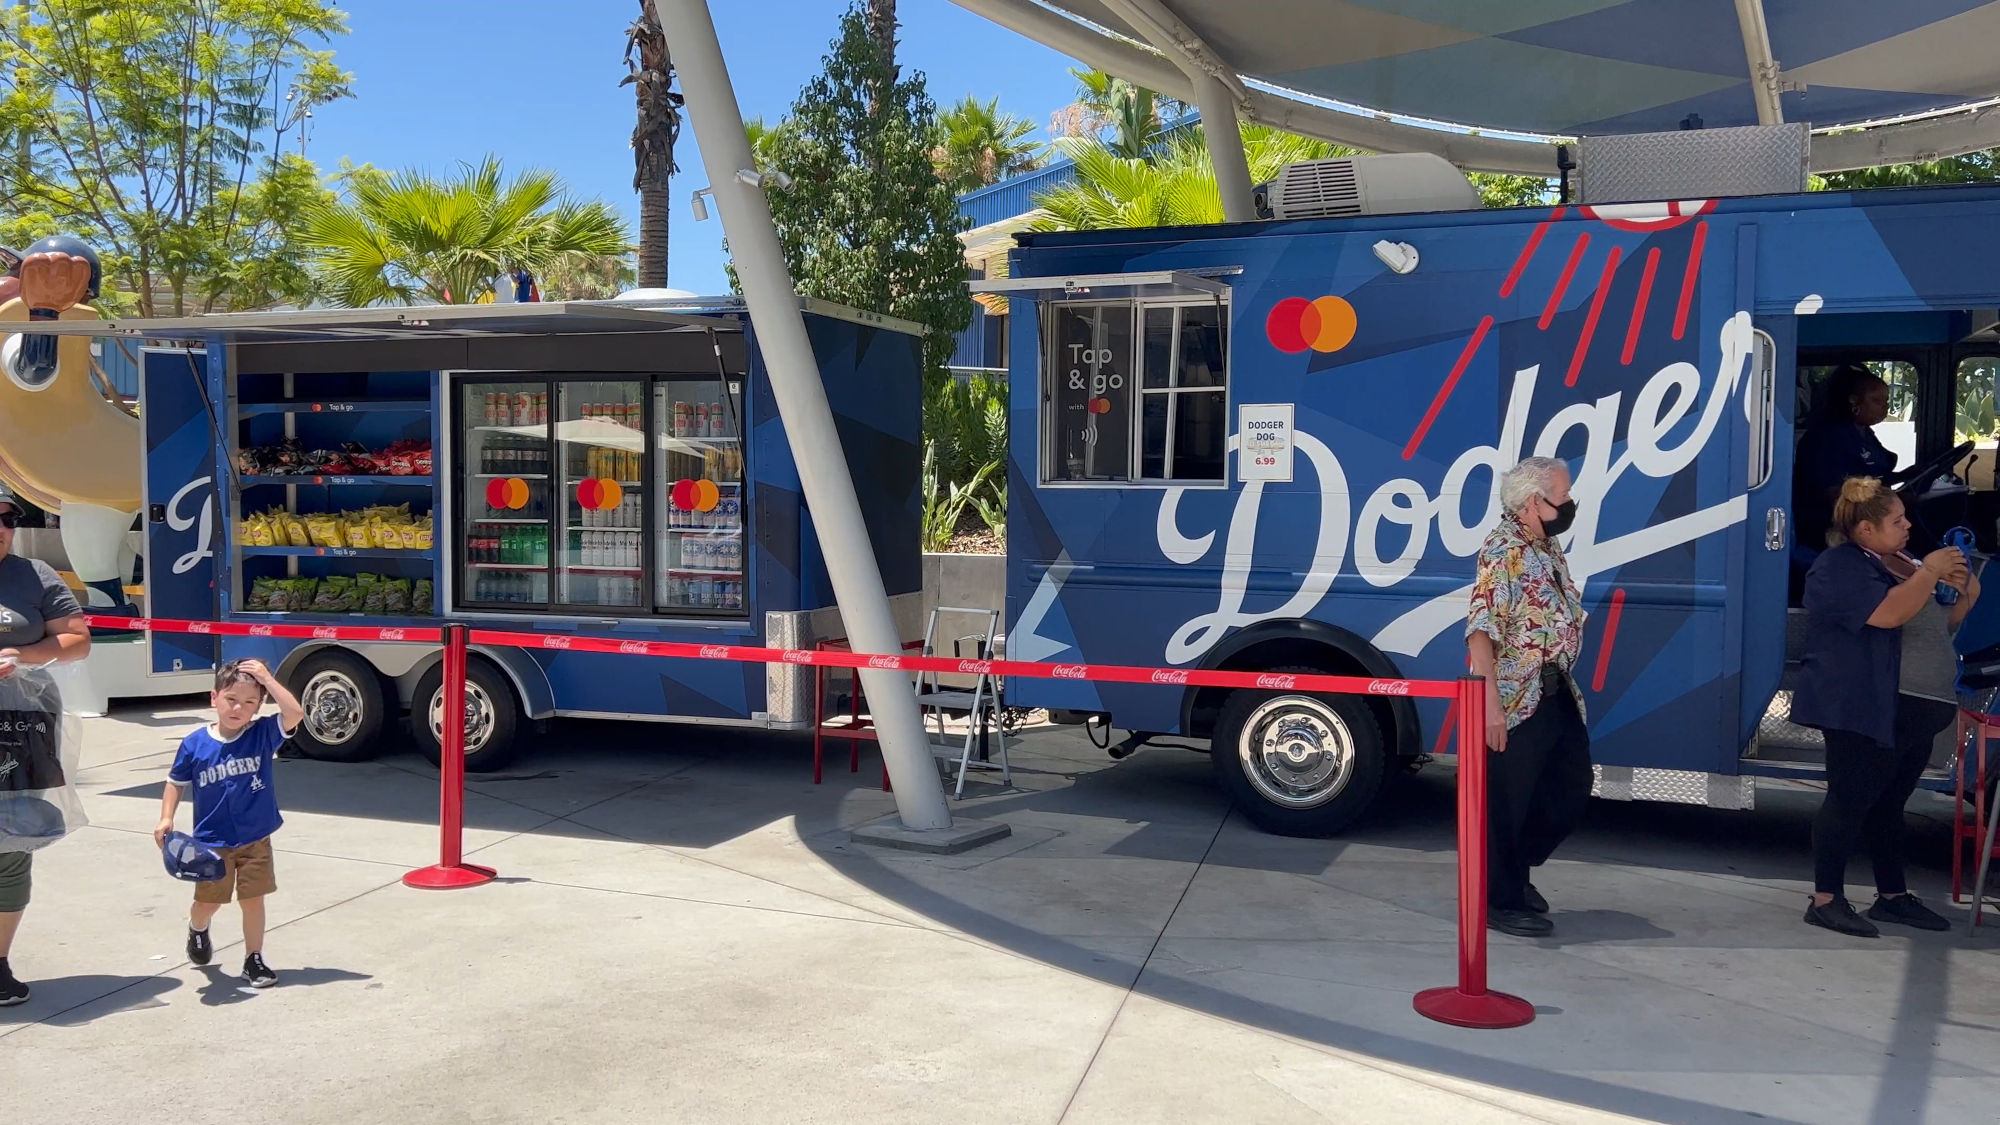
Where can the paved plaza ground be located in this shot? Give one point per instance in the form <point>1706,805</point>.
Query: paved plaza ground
<point>684,932</point>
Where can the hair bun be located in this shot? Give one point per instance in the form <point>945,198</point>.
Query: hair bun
<point>1859,490</point>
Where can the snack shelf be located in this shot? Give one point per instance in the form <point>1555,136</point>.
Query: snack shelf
<point>340,552</point>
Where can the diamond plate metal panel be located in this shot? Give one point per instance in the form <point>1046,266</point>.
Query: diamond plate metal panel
<point>1679,787</point>
<point>788,688</point>
<point>1694,164</point>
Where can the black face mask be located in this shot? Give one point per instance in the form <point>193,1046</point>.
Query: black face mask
<point>1565,515</point>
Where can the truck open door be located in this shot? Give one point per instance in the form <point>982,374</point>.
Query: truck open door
<point>183,525</point>
<point>1765,538</point>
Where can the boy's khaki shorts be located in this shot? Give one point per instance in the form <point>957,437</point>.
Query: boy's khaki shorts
<point>16,878</point>
<point>246,870</point>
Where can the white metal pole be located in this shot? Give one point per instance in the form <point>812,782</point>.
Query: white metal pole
<point>1763,68</point>
<point>1225,147</point>
<point>795,381</point>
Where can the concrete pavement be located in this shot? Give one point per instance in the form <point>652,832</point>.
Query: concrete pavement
<point>684,933</point>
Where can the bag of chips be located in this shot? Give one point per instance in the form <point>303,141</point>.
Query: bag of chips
<point>325,531</point>
<point>296,534</point>
<point>396,598</point>
<point>376,598</point>
<point>332,594</point>
<point>426,535</point>
<point>423,598</point>
<point>260,594</point>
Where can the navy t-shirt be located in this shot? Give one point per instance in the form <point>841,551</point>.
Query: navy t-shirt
<point>1848,676</point>
<point>1829,454</point>
<point>234,801</point>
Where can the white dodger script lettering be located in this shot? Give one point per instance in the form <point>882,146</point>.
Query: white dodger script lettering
<point>1661,404</point>
<point>203,525</point>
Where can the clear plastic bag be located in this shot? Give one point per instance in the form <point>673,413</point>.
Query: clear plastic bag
<point>39,751</point>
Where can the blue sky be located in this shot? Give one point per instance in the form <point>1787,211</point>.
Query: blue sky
<point>440,81</point>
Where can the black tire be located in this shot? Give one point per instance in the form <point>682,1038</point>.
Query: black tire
<point>492,719</point>
<point>346,703</point>
<point>1324,791</point>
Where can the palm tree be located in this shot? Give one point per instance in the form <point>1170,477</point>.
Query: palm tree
<point>579,278</point>
<point>765,141</point>
<point>1175,188</point>
<point>410,235</point>
<point>978,145</point>
<point>653,138</point>
<point>1133,114</point>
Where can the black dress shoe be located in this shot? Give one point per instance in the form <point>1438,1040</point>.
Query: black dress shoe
<point>1535,901</point>
<point>1520,923</point>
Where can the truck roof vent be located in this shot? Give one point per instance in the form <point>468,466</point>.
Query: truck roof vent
<point>1392,184</point>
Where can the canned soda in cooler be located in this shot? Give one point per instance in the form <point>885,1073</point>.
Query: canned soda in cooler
<point>541,416</point>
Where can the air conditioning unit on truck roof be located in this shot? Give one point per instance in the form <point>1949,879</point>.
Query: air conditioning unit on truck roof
<point>1391,184</point>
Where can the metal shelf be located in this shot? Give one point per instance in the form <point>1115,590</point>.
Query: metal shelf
<point>325,480</point>
<point>338,406</point>
<point>338,553</point>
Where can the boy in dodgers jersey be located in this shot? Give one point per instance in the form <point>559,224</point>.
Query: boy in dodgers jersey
<point>227,765</point>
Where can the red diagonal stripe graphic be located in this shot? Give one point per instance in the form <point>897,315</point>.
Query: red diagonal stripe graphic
<point>1688,279</point>
<point>1610,638</point>
<point>1639,305</point>
<point>1450,382</point>
<point>1590,321</point>
<point>1562,282</point>
<point>1528,252</point>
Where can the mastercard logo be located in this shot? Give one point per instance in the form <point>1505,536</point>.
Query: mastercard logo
<point>1324,324</point>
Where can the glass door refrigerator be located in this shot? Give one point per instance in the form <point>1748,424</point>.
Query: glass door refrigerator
<point>699,540</point>
<point>502,461</point>
<point>601,495</point>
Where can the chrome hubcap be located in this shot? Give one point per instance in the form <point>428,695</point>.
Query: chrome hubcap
<point>478,716</point>
<point>1296,751</point>
<point>333,708</point>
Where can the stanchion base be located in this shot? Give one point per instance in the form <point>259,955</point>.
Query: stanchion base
<point>1462,1009</point>
<point>438,877</point>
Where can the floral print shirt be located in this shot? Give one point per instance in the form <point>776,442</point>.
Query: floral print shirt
<point>1524,599</point>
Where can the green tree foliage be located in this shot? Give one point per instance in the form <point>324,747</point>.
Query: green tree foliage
<point>1128,119</point>
<point>412,236</point>
<point>978,145</point>
<point>867,222</point>
<point>764,141</point>
<point>150,128</point>
<point>576,278</point>
<point>1971,168</point>
<point>1175,187</point>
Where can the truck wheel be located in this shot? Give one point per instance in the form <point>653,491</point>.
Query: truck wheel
<point>1298,764</point>
<point>492,716</point>
<point>346,706</point>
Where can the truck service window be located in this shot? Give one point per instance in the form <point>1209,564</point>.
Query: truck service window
<point>1178,427</point>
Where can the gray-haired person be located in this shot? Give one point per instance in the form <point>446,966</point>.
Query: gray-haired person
<point>1525,632</point>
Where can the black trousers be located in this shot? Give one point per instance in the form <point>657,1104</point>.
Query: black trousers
<point>1867,785</point>
<point>1536,792</point>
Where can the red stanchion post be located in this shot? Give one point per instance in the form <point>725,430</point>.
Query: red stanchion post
<point>451,869</point>
<point>1469,1003</point>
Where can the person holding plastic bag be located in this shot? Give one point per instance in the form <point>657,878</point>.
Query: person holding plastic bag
<point>40,624</point>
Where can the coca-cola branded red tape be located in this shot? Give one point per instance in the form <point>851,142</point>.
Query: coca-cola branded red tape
<point>568,642</point>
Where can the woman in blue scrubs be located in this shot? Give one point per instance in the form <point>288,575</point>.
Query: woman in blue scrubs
<point>1879,723</point>
<point>1839,444</point>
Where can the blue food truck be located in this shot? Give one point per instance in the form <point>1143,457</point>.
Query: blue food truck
<point>610,469</point>
<point>1273,446</point>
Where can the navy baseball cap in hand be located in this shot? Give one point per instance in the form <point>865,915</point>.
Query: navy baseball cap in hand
<point>30,818</point>
<point>188,860</point>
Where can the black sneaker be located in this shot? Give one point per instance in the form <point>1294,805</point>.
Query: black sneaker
<point>1535,901</point>
<point>1839,917</point>
<point>257,972</point>
<point>1520,923</point>
<point>12,991</point>
<point>199,948</point>
<point>1907,910</point>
